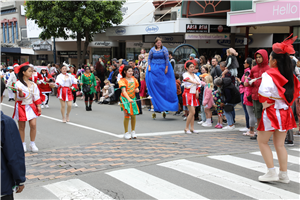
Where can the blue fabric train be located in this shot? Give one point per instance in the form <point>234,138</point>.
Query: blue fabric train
<point>161,86</point>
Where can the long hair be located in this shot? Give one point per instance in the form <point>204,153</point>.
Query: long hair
<point>125,69</point>
<point>203,60</point>
<point>209,81</point>
<point>156,40</point>
<point>284,64</point>
<point>21,75</point>
<point>249,61</point>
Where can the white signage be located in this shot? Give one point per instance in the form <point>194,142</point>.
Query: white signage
<point>22,10</point>
<point>200,36</point>
<point>33,31</point>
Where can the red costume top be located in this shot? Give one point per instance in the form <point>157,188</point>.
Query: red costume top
<point>44,86</point>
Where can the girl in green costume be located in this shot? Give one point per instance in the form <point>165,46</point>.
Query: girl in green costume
<point>89,79</point>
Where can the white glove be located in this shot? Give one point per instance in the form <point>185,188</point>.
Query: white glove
<point>252,81</point>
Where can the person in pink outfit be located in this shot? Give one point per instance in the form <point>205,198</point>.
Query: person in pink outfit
<point>208,101</point>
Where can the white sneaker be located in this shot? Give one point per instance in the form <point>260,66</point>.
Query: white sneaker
<point>75,105</point>
<point>33,148</point>
<point>47,106</point>
<point>201,122</point>
<point>184,119</point>
<point>133,135</point>
<point>283,177</point>
<point>151,110</point>
<point>244,129</point>
<point>228,127</point>
<point>207,124</point>
<point>42,106</point>
<point>271,175</point>
<point>127,136</point>
<point>24,147</point>
<point>143,106</point>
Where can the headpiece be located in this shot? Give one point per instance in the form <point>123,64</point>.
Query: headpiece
<point>67,65</point>
<point>121,69</point>
<point>18,68</point>
<point>285,47</point>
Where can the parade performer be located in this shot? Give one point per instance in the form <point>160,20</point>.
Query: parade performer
<point>47,83</point>
<point>160,79</point>
<point>190,95</point>
<point>64,86</point>
<point>28,104</point>
<point>277,92</point>
<point>11,95</point>
<point>89,86</point>
<point>129,86</point>
<point>72,71</point>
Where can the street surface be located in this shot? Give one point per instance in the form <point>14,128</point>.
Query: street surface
<point>88,159</point>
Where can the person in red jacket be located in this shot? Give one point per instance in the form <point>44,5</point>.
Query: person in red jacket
<point>47,82</point>
<point>261,58</point>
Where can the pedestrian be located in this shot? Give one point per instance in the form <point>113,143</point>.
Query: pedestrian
<point>277,92</point>
<point>190,95</point>
<point>12,156</point>
<point>10,84</point>
<point>129,87</point>
<point>215,69</point>
<point>101,71</point>
<point>208,102</point>
<point>201,98</point>
<point>160,79</point>
<point>64,83</point>
<point>262,61</point>
<point>46,86</point>
<point>10,72</point>
<point>218,100</point>
<point>89,86</point>
<point>231,62</point>
<point>75,86</point>
<point>28,104</point>
<point>172,60</point>
<point>143,88</point>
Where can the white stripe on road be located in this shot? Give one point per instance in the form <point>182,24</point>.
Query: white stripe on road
<point>253,165</point>
<point>297,149</point>
<point>291,159</point>
<point>230,181</point>
<point>153,186</point>
<point>75,189</point>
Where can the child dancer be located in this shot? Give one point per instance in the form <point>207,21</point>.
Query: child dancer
<point>143,89</point>
<point>218,105</point>
<point>208,100</point>
<point>28,104</point>
<point>129,86</point>
<point>46,86</point>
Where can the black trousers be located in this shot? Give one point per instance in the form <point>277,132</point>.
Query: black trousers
<point>48,95</point>
<point>88,96</point>
<point>74,96</point>
<point>8,197</point>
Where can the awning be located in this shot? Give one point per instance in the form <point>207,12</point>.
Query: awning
<point>10,50</point>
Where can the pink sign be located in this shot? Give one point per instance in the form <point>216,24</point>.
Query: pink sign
<point>274,11</point>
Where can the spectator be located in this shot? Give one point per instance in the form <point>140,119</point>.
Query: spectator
<point>231,62</point>
<point>171,59</point>
<point>202,61</point>
<point>192,60</point>
<point>208,102</point>
<point>110,69</point>
<point>218,57</point>
<point>179,94</point>
<point>227,74</point>
<point>107,93</point>
<point>215,69</point>
<point>142,63</point>
<point>12,156</point>
<point>100,69</point>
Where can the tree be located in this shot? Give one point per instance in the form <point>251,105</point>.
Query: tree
<point>83,19</point>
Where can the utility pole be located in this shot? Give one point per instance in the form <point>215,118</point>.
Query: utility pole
<point>54,51</point>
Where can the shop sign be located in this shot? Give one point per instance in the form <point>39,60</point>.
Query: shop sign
<point>196,28</point>
<point>120,31</point>
<point>239,41</point>
<point>104,44</point>
<point>42,47</point>
<point>165,38</point>
<point>63,53</point>
<point>219,29</point>
<point>194,36</point>
<point>152,29</point>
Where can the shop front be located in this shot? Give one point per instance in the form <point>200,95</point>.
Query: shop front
<point>103,49</point>
<point>10,55</point>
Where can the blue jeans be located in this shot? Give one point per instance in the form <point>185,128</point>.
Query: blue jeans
<point>245,111</point>
<point>230,115</point>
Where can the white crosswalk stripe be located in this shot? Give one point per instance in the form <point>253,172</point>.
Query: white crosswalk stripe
<point>253,165</point>
<point>75,189</point>
<point>153,186</point>
<point>230,181</point>
<point>295,149</point>
<point>291,159</point>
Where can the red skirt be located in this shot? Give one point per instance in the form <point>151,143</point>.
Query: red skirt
<point>189,99</point>
<point>25,112</point>
<point>64,93</point>
<point>273,119</point>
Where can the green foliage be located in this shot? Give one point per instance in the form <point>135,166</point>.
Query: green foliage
<point>81,17</point>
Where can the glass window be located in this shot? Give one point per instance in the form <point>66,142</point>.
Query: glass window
<point>105,53</point>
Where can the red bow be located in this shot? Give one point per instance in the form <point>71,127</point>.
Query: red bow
<point>121,69</point>
<point>286,46</point>
<point>18,68</point>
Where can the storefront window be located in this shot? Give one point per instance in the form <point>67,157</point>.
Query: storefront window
<point>105,53</point>
<point>133,53</point>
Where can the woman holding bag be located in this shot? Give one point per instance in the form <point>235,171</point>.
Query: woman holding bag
<point>89,86</point>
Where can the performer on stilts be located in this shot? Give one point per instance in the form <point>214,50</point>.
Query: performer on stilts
<point>64,82</point>
<point>129,86</point>
<point>277,92</point>
<point>28,104</point>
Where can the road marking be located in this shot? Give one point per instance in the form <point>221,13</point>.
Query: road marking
<point>230,181</point>
<point>75,189</point>
<point>253,165</point>
<point>153,186</point>
<point>291,159</point>
<point>295,149</point>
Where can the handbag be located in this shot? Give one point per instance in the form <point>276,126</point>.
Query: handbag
<point>86,88</point>
<point>228,108</point>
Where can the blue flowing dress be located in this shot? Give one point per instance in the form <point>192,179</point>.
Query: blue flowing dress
<point>161,86</point>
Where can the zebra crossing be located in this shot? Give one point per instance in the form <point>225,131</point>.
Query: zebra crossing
<point>211,177</point>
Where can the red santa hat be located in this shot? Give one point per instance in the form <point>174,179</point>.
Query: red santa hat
<point>18,68</point>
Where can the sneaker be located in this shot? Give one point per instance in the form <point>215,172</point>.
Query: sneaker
<point>42,106</point>
<point>151,110</point>
<point>127,136</point>
<point>75,105</point>
<point>289,143</point>
<point>184,119</point>
<point>143,106</point>
<point>201,122</point>
<point>187,132</point>
<point>283,177</point>
<point>47,106</point>
<point>229,127</point>
<point>133,135</point>
<point>271,175</point>
<point>207,124</point>
<point>244,129</point>
<point>219,126</point>
<point>33,148</point>
<point>24,147</point>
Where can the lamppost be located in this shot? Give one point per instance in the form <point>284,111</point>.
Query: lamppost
<point>54,51</point>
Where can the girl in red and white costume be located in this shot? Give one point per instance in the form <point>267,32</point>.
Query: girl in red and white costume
<point>28,104</point>
<point>190,95</point>
<point>45,86</point>
<point>277,92</point>
<point>64,82</point>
